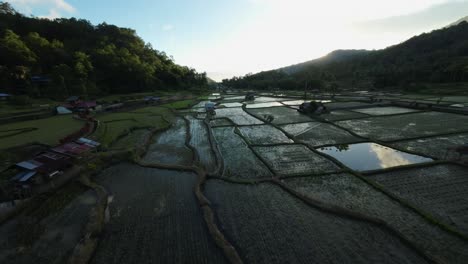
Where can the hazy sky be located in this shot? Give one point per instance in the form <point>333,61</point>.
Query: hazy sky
<point>235,37</point>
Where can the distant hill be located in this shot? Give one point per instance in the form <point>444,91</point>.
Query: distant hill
<point>210,81</point>
<point>440,56</point>
<point>463,19</point>
<point>335,56</point>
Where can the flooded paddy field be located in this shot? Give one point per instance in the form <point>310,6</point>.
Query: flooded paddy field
<point>264,105</point>
<point>295,159</point>
<point>288,189</point>
<point>407,126</point>
<point>238,116</point>
<point>317,134</point>
<point>437,147</point>
<point>440,190</point>
<point>371,156</point>
<point>281,115</point>
<point>345,105</point>
<point>269,225</point>
<point>221,122</point>
<point>338,115</point>
<point>154,218</point>
<point>348,191</point>
<point>264,134</point>
<point>235,104</point>
<point>386,110</point>
<point>49,231</point>
<point>239,160</point>
<point>168,147</point>
<point>200,141</point>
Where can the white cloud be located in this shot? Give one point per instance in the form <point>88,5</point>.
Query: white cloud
<point>54,7</point>
<point>167,27</point>
<point>53,14</point>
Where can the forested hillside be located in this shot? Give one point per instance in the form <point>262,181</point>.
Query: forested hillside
<point>56,58</point>
<point>440,56</point>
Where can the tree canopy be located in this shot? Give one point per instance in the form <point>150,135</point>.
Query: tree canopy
<point>56,58</point>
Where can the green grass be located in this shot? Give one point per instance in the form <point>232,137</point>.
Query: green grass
<point>8,109</point>
<point>115,125</point>
<point>133,96</point>
<point>180,104</point>
<point>49,131</point>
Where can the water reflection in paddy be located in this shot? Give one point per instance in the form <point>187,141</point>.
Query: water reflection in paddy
<point>371,156</point>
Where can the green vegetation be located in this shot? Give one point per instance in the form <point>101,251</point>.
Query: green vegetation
<point>180,104</point>
<point>62,57</point>
<point>113,126</point>
<point>434,62</point>
<point>47,131</point>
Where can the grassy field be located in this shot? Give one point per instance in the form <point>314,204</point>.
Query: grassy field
<point>180,104</point>
<point>47,131</point>
<point>115,125</point>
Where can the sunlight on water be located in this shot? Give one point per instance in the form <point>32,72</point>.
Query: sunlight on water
<point>371,156</point>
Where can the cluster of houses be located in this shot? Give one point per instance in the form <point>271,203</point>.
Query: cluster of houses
<point>75,104</point>
<point>51,163</point>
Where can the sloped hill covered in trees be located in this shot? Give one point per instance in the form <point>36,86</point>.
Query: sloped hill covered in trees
<point>440,56</point>
<point>42,57</point>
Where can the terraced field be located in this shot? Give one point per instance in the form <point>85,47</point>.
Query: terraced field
<point>348,191</point>
<point>387,110</point>
<point>437,147</point>
<point>281,115</point>
<point>440,190</point>
<point>295,159</point>
<point>249,214</point>
<point>264,134</point>
<point>237,116</point>
<point>199,140</point>
<point>407,126</point>
<point>271,185</point>
<point>154,219</point>
<point>317,134</point>
<point>239,160</point>
<point>48,232</point>
<point>168,147</point>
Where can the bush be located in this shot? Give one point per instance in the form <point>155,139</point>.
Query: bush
<point>20,100</point>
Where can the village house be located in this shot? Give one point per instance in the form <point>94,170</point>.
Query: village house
<point>4,96</point>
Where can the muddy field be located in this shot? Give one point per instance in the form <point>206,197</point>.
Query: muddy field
<point>239,160</point>
<point>295,159</point>
<point>199,140</point>
<point>348,191</point>
<point>154,218</point>
<point>440,190</point>
<point>281,115</point>
<point>317,134</point>
<point>407,126</point>
<point>437,147</point>
<point>49,231</point>
<point>249,214</point>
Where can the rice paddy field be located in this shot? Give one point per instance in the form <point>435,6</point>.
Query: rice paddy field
<point>260,182</point>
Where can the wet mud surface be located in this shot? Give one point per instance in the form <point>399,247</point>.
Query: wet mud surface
<point>154,218</point>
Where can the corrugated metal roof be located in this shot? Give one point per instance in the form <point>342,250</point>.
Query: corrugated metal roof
<point>27,176</point>
<point>23,176</point>
<point>29,165</point>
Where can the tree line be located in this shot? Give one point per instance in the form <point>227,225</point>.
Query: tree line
<point>440,56</point>
<point>61,57</point>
